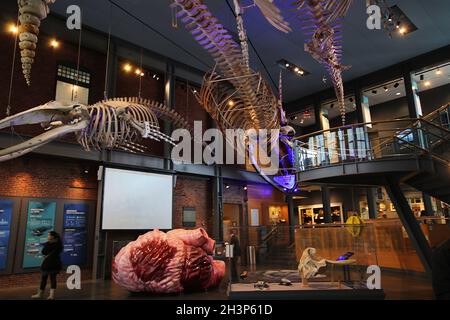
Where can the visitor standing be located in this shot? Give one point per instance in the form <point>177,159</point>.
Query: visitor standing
<point>51,265</point>
<point>234,241</point>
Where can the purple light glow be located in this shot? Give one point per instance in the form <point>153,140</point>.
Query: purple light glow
<point>288,182</point>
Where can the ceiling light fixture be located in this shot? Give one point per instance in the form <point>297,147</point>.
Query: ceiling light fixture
<point>13,28</point>
<point>283,63</point>
<point>386,89</point>
<point>231,103</point>
<point>439,71</point>
<point>396,85</point>
<point>374,91</point>
<point>427,83</point>
<point>127,67</point>
<point>422,77</point>
<point>54,43</point>
<point>398,93</point>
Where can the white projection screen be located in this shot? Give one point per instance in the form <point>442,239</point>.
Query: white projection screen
<point>134,200</point>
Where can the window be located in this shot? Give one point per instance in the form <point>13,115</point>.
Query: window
<point>189,217</point>
<point>67,87</point>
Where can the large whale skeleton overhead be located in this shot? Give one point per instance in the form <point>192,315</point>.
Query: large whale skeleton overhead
<point>119,123</point>
<point>232,93</point>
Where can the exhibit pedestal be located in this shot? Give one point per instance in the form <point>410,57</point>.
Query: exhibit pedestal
<point>314,291</point>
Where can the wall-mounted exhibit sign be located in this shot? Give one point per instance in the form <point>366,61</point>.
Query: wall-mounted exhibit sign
<point>6,208</point>
<point>75,234</point>
<point>254,217</point>
<point>40,220</point>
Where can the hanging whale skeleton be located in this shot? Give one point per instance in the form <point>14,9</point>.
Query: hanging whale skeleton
<point>119,123</point>
<point>234,95</point>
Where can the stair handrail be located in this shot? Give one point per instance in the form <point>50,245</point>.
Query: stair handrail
<point>437,111</point>
<point>359,124</point>
<point>269,236</point>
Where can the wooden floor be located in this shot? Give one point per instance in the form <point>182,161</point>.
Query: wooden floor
<point>396,286</point>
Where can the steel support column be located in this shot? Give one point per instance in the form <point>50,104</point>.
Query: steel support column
<point>411,225</point>
<point>291,212</point>
<point>358,103</point>
<point>326,204</point>
<point>218,204</point>
<point>372,202</point>
<point>428,204</point>
<point>169,100</point>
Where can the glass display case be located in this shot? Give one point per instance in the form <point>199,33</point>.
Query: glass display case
<point>344,258</point>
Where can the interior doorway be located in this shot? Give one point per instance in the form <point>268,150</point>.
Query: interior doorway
<point>232,219</point>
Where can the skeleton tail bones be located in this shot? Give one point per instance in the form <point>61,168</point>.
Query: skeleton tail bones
<point>253,104</point>
<point>31,13</point>
<point>321,22</point>
<point>117,123</point>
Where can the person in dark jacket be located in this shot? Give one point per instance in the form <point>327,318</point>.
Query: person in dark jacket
<point>51,265</point>
<point>234,241</point>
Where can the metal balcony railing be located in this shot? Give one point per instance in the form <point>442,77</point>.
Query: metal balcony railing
<point>374,140</point>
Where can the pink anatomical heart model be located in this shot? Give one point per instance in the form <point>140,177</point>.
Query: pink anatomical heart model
<point>176,261</point>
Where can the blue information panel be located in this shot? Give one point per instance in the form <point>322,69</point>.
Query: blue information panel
<point>6,208</point>
<point>40,220</point>
<point>75,234</point>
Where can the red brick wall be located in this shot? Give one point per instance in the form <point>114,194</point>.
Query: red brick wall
<point>46,177</point>
<point>196,193</point>
<point>235,194</point>
<point>43,73</point>
<point>187,105</point>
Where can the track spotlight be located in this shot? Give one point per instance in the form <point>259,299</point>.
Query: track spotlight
<point>385,89</point>
<point>374,91</point>
<point>396,85</point>
<point>13,28</point>
<point>54,43</point>
<point>127,67</point>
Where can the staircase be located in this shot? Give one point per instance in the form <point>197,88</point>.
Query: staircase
<point>384,153</point>
<point>279,251</point>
